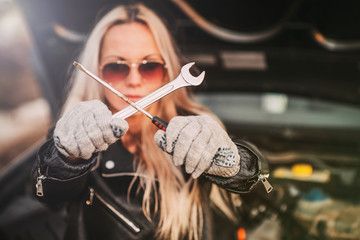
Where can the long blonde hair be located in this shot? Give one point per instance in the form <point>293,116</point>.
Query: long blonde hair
<point>164,181</point>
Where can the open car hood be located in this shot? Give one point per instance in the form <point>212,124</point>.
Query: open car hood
<point>304,48</point>
<point>304,53</point>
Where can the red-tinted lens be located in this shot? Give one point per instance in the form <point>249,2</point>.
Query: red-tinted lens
<point>113,72</point>
<point>152,71</point>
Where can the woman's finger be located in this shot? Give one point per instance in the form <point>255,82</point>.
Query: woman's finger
<point>184,141</point>
<point>197,147</point>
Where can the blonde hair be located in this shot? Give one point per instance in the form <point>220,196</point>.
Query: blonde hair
<point>164,181</point>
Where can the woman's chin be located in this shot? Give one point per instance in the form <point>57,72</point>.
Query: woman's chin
<point>135,122</point>
<point>117,108</point>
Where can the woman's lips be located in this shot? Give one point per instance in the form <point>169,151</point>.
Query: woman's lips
<point>134,98</point>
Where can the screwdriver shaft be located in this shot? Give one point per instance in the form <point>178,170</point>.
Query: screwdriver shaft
<point>108,86</point>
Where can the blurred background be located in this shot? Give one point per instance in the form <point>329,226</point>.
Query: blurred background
<point>283,74</point>
<point>24,113</point>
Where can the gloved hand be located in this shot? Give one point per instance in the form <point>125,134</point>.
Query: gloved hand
<point>201,144</point>
<point>87,128</point>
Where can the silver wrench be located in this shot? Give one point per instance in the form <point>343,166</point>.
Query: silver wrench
<point>185,78</point>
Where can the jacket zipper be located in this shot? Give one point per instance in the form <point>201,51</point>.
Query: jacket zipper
<point>128,222</point>
<point>263,178</point>
<point>39,184</point>
<point>263,175</point>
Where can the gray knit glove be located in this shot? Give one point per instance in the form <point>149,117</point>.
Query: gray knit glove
<point>87,128</point>
<point>201,144</point>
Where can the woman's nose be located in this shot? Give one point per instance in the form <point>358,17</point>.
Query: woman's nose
<point>134,77</point>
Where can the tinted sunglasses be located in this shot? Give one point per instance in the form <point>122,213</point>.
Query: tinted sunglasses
<point>151,70</point>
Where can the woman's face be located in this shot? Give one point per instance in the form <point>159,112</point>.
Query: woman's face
<point>127,44</point>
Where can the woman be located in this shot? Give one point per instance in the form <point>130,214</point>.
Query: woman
<point>124,179</point>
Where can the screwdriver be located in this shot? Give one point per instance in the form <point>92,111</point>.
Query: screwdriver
<point>158,122</point>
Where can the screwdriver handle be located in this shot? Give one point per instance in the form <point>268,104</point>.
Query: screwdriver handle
<point>161,124</point>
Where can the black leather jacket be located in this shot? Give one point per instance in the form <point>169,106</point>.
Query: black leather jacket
<point>96,191</point>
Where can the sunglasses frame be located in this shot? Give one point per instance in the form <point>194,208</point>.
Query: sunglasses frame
<point>134,64</point>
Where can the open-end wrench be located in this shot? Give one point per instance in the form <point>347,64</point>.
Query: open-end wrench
<point>180,82</point>
<point>185,78</point>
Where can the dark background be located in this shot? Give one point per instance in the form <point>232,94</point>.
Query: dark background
<point>296,63</point>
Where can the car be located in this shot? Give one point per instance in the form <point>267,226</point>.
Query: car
<point>283,75</point>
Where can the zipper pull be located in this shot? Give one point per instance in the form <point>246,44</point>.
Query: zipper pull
<point>91,197</point>
<point>39,186</point>
<point>265,182</point>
